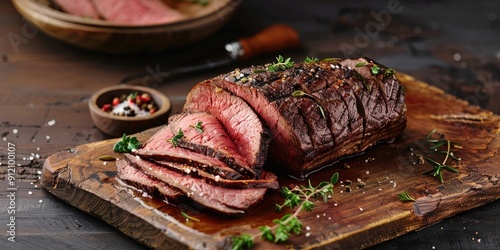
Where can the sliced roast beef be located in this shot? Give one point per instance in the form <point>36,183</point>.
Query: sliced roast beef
<point>317,112</point>
<point>240,121</point>
<point>203,133</point>
<point>153,187</point>
<point>266,180</point>
<point>160,147</point>
<point>225,200</point>
<point>137,12</point>
<point>83,8</point>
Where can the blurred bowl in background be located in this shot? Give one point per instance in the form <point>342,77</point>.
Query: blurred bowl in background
<point>115,125</point>
<point>107,37</point>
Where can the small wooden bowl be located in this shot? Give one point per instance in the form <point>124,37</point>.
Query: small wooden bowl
<point>104,36</point>
<point>115,125</point>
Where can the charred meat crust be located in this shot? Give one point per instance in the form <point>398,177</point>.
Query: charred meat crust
<point>360,108</point>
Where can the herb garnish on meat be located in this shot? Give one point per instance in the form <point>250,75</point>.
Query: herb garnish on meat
<point>174,140</point>
<point>126,144</point>
<point>280,64</point>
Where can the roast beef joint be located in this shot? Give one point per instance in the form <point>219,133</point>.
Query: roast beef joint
<point>238,128</point>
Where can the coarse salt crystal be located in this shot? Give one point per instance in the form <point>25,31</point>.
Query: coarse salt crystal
<point>308,228</point>
<point>51,122</point>
<point>15,131</point>
<point>104,162</point>
<point>47,137</point>
<point>360,209</point>
<point>40,201</point>
<point>29,192</point>
<point>308,234</point>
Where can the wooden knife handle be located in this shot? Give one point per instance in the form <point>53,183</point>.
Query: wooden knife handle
<point>272,39</point>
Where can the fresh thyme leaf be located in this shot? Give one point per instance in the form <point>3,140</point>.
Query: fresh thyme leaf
<point>405,196</point>
<point>281,234</point>
<point>267,233</point>
<point>360,64</point>
<point>311,60</point>
<point>174,140</point>
<point>198,127</point>
<point>280,64</point>
<point>335,178</point>
<point>376,69</point>
<point>322,111</point>
<point>126,144</point>
<point>299,93</point>
<point>389,73</point>
<point>242,242</point>
<point>331,59</point>
<point>189,217</point>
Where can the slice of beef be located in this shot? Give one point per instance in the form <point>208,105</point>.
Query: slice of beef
<point>317,112</point>
<point>266,180</point>
<point>225,200</point>
<point>83,8</point>
<point>241,123</point>
<point>153,187</point>
<point>158,147</point>
<point>203,133</point>
<point>137,12</point>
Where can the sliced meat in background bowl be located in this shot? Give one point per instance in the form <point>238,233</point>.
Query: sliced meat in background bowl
<point>185,24</point>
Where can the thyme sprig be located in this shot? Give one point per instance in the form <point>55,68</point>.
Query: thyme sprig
<point>176,138</point>
<point>297,93</point>
<point>376,69</point>
<point>126,144</point>
<point>298,198</point>
<point>405,196</point>
<point>436,145</point>
<point>280,64</point>
<point>198,127</point>
<point>311,60</point>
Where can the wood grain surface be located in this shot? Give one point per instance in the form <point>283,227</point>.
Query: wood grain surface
<point>356,216</point>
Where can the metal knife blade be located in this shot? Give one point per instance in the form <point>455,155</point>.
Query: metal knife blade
<point>272,39</point>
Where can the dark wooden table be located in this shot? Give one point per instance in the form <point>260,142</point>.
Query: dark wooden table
<point>45,86</point>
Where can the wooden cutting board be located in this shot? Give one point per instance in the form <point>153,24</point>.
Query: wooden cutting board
<point>356,216</point>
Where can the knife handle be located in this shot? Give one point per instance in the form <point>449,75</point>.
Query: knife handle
<point>272,39</point>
